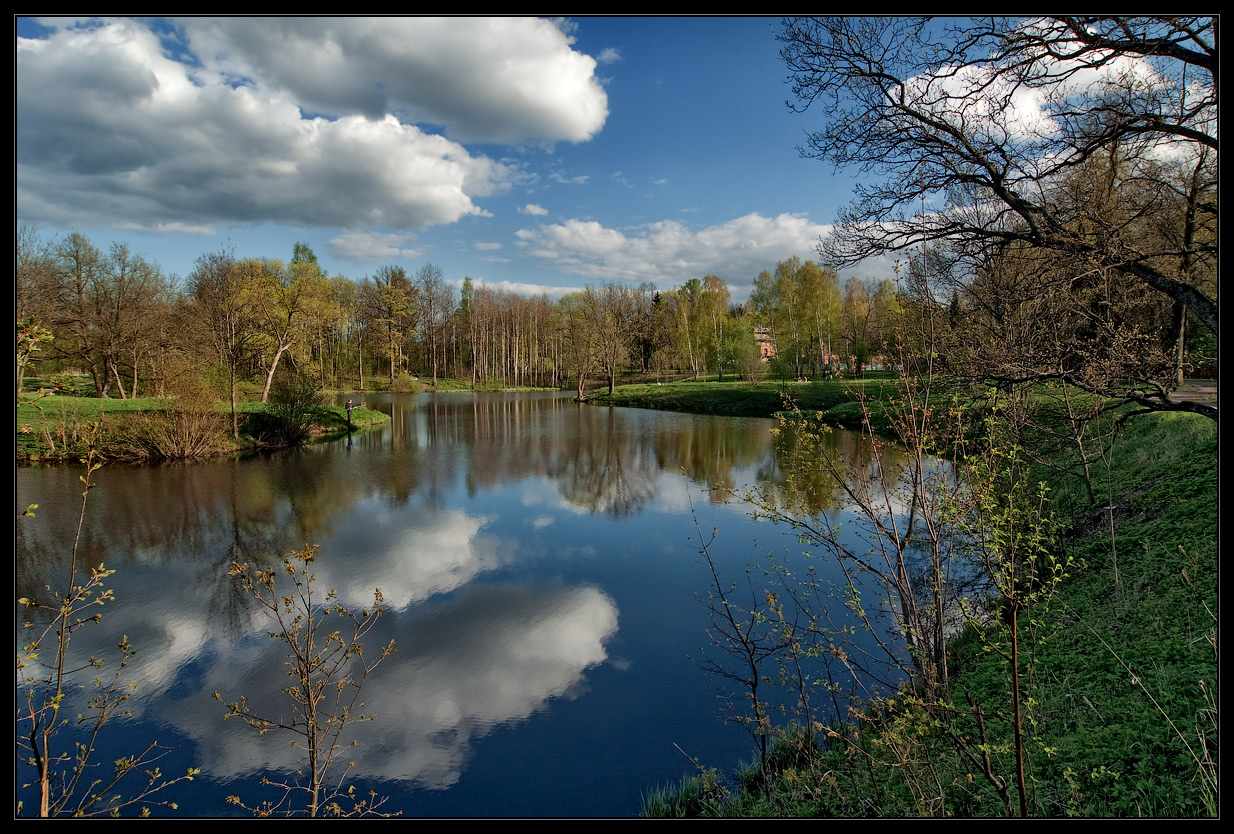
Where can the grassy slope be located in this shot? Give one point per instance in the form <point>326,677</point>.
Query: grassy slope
<point>1146,634</point>
<point>1124,683</point>
<point>67,419</point>
<point>745,399</point>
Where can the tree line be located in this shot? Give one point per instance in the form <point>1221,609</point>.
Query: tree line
<point>1077,246</point>
<point>137,331</point>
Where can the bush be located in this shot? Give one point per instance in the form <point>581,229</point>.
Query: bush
<point>290,416</point>
<point>405,383</point>
<point>189,427</point>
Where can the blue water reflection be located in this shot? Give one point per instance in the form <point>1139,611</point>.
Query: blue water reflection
<point>539,563</point>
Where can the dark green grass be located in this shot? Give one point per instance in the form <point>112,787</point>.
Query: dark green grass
<point>746,399</point>
<point>1120,668</point>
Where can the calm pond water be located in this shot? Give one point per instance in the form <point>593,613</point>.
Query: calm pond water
<point>539,562</point>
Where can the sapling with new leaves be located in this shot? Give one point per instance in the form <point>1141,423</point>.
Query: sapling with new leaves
<point>68,779</point>
<point>328,668</point>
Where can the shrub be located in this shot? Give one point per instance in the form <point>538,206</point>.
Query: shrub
<point>405,383</point>
<point>290,416</point>
<point>328,668</point>
<point>188,428</point>
<point>67,776</point>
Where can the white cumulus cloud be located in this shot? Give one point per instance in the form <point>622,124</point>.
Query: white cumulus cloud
<point>669,252</point>
<point>373,246</point>
<point>304,121</point>
<point>509,79</point>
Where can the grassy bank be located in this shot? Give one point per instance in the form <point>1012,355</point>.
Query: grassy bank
<point>60,428</point>
<point>838,397</point>
<point>1120,679</point>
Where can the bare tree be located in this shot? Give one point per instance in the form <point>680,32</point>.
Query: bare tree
<point>436,304</point>
<point>994,123</point>
<point>610,311</point>
<point>34,275</point>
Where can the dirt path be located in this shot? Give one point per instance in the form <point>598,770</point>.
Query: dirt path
<point>1204,391</point>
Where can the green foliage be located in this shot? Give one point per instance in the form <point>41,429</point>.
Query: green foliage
<point>327,667</point>
<point>405,383</point>
<point>31,338</point>
<point>290,416</point>
<point>64,383</point>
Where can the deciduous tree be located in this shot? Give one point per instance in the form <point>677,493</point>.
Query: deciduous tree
<point>995,122</point>
<point>219,296</point>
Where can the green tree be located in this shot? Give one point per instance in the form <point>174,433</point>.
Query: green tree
<point>687,336</point>
<point>30,339</point>
<point>821,302</point>
<point>280,296</point>
<point>390,302</point>
<point>713,315</point>
<point>226,312</point>
<point>302,253</point>
<point>856,319</point>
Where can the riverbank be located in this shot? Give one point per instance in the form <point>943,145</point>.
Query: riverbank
<point>840,400</point>
<point>1119,673</point>
<point>55,428</point>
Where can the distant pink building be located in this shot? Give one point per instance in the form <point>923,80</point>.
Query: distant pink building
<point>766,345</point>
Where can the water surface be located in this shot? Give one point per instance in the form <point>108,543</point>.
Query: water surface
<point>539,563</point>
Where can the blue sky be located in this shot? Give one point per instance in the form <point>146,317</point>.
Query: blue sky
<point>527,154</point>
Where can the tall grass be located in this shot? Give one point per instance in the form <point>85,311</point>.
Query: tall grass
<point>183,431</point>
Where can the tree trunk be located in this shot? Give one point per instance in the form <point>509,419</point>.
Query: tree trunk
<point>1180,352</point>
<point>265,392</point>
<point>235,422</point>
<point>119,385</point>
